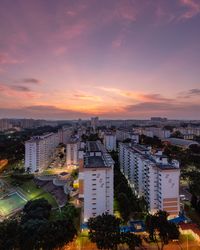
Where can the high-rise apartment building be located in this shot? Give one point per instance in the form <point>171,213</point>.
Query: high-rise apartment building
<point>94,122</point>
<point>152,176</point>
<point>72,148</point>
<point>96,180</point>
<point>65,134</point>
<point>109,140</point>
<point>39,151</point>
<point>123,134</point>
<point>5,124</point>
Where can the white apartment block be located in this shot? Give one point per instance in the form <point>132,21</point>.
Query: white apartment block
<point>65,134</point>
<point>152,176</point>
<point>188,131</point>
<point>72,149</point>
<point>96,181</point>
<point>39,151</point>
<point>94,122</point>
<point>124,134</point>
<point>158,132</point>
<point>109,140</point>
<point>5,125</point>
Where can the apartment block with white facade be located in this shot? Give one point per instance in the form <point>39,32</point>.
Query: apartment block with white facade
<point>65,134</point>
<point>72,149</point>
<point>123,134</point>
<point>39,151</point>
<point>96,181</point>
<point>154,131</point>
<point>109,140</point>
<point>152,176</point>
<point>5,124</point>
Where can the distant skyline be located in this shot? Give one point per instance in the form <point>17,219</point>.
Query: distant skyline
<point>117,59</point>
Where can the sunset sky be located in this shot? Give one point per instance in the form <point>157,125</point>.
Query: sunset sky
<point>63,59</point>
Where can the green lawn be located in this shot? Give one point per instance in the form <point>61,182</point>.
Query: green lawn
<point>31,191</point>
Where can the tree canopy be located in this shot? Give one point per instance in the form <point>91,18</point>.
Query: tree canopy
<point>160,229</point>
<point>36,230</point>
<point>104,230</point>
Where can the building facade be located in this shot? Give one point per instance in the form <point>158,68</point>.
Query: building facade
<point>96,181</point>
<point>123,134</point>
<point>109,141</point>
<point>152,176</point>
<point>39,151</point>
<point>72,149</point>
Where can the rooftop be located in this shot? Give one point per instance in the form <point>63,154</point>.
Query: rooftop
<point>181,142</point>
<point>93,146</point>
<point>157,160</point>
<point>94,162</point>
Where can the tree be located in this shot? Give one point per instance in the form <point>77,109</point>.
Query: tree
<point>104,230</point>
<point>32,234</point>
<point>69,212</point>
<point>9,234</point>
<point>131,240</point>
<point>177,134</point>
<point>38,231</point>
<point>125,206</point>
<point>194,201</point>
<point>36,209</point>
<point>151,141</point>
<point>158,225</point>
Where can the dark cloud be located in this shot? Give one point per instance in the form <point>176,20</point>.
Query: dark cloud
<point>171,109</point>
<point>156,97</point>
<point>31,80</point>
<point>190,93</point>
<point>42,112</point>
<point>20,88</point>
<point>194,92</point>
<point>150,106</point>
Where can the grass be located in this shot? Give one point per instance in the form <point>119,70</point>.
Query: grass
<point>116,209</point>
<point>48,172</point>
<point>28,189</point>
<point>32,191</point>
<point>185,237</point>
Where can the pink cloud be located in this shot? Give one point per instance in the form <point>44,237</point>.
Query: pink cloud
<point>5,58</point>
<point>17,91</point>
<point>193,8</point>
<point>126,10</point>
<point>117,43</point>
